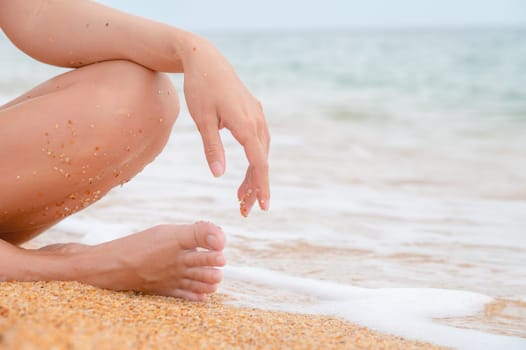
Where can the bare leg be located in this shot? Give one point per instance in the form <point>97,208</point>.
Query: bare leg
<point>75,138</point>
<point>63,146</point>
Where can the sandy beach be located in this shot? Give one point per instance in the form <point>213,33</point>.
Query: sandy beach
<point>70,315</point>
<point>398,201</point>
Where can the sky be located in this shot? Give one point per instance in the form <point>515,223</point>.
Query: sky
<point>269,14</point>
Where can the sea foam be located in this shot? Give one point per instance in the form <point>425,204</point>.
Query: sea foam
<point>407,312</point>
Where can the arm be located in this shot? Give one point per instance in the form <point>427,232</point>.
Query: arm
<point>73,33</point>
<point>76,33</point>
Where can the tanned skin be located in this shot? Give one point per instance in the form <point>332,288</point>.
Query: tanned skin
<point>69,141</point>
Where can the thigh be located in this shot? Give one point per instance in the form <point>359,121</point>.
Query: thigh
<point>67,142</point>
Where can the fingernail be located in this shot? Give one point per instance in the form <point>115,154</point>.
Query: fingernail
<point>220,259</point>
<point>264,205</point>
<point>244,211</point>
<point>217,168</point>
<point>212,241</point>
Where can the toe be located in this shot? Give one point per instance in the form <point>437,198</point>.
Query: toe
<point>202,234</point>
<point>195,259</point>
<point>198,287</point>
<point>186,294</point>
<point>204,274</point>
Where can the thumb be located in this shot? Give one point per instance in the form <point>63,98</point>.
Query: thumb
<point>214,151</point>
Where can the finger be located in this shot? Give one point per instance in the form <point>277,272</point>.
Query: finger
<point>246,194</point>
<point>264,135</point>
<point>214,150</point>
<point>248,134</point>
<point>257,157</point>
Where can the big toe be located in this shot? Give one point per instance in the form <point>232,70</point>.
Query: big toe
<point>203,234</point>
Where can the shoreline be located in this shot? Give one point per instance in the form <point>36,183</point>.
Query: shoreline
<point>73,315</point>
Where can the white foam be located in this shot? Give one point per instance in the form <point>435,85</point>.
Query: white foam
<point>94,231</point>
<point>5,99</point>
<point>407,312</point>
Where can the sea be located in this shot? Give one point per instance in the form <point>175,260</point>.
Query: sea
<point>398,179</point>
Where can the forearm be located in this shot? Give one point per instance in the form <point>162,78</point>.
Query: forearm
<point>73,33</point>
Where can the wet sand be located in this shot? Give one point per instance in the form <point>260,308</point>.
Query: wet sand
<point>70,315</point>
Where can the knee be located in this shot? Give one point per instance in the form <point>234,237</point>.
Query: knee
<point>129,112</point>
<point>139,104</point>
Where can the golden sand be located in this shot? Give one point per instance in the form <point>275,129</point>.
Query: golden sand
<point>70,315</point>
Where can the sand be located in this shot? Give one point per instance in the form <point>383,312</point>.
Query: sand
<point>71,315</point>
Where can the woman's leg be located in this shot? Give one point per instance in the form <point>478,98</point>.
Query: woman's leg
<point>75,138</point>
<point>69,141</point>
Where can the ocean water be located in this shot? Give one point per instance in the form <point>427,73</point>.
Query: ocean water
<point>398,170</point>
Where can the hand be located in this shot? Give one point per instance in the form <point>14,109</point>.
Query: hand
<point>217,99</point>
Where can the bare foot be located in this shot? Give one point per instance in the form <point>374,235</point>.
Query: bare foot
<point>166,260</point>
<point>64,248</point>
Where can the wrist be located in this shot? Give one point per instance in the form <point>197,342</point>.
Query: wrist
<point>187,45</point>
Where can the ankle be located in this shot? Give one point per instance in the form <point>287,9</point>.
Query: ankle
<point>28,265</point>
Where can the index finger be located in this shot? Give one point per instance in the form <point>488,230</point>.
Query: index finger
<point>257,155</point>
